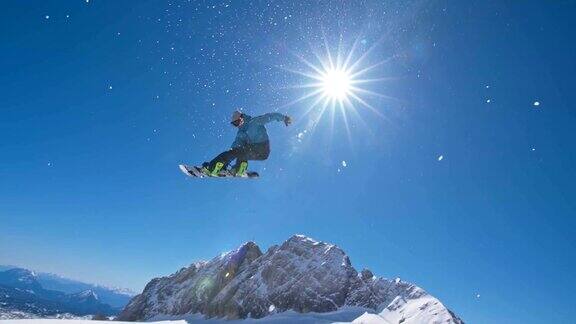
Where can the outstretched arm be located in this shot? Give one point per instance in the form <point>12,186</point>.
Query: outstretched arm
<point>266,118</point>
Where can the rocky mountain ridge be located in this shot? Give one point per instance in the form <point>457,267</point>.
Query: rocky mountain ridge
<point>302,275</point>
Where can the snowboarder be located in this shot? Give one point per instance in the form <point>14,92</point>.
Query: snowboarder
<point>251,143</point>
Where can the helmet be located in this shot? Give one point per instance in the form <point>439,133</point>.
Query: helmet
<point>236,115</point>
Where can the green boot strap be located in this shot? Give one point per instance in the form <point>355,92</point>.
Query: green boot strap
<point>217,168</point>
<point>242,168</point>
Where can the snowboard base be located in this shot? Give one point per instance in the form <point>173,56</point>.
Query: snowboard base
<point>196,172</point>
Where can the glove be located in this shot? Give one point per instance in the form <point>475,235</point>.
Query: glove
<point>287,120</point>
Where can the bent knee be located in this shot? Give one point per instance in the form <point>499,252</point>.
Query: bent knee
<point>265,155</point>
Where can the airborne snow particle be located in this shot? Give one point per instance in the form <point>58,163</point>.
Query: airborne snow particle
<point>49,163</point>
<point>300,136</point>
<point>227,274</point>
<point>477,295</point>
<point>533,149</point>
<point>344,163</point>
<point>272,308</point>
<point>47,17</point>
<point>488,100</point>
<point>536,103</point>
<point>110,87</point>
<point>441,157</point>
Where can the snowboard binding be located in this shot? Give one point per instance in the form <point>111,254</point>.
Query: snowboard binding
<point>218,171</point>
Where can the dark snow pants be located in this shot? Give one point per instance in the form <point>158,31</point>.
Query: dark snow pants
<point>256,151</point>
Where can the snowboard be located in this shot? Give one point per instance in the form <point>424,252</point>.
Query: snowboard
<point>196,172</point>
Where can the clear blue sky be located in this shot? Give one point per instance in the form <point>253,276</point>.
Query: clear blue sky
<point>100,101</point>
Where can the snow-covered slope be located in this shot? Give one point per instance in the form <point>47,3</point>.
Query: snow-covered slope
<point>289,317</point>
<point>425,309</point>
<point>9,316</point>
<point>57,321</point>
<point>301,275</point>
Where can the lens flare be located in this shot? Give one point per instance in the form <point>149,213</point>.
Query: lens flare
<point>338,82</point>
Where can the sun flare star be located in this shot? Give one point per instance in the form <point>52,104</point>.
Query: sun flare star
<point>338,83</point>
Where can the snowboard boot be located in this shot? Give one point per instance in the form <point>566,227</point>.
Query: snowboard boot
<point>240,170</point>
<point>213,172</point>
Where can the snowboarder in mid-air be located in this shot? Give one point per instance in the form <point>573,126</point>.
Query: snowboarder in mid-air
<point>251,143</point>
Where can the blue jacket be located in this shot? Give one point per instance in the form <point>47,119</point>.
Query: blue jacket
<point>253,130</point>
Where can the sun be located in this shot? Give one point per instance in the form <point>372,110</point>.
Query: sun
<point>336,84</point>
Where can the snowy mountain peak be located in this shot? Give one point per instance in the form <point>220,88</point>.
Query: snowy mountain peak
<point>302,275</point>
<point>247,250</point>
<point>20,278</point>
<point>305,241</point>
<point>87,294</point>
<point>23,274</point>
<point>304,247</point>
<point>302,238</point>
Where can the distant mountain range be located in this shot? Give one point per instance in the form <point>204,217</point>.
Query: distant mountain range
<point>113,296</point>
<point>301,275</point>
<point>42,294</point>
